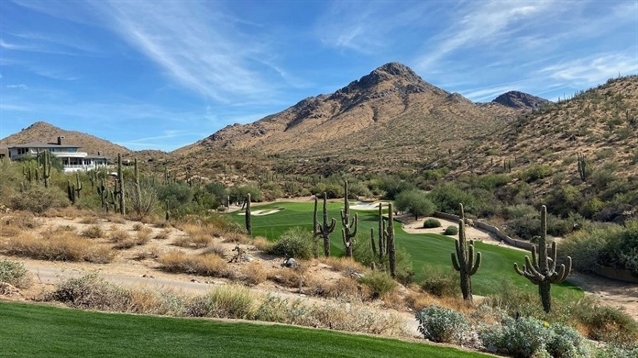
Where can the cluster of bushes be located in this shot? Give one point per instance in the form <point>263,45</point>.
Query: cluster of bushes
<point>521,336</point>
<point>609,245</point>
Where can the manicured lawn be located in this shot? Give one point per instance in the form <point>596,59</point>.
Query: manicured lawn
<point>496,267</point>
<point>42,331</point>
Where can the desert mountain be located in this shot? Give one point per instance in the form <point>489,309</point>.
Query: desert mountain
<point>520,100</point>
<point>601,124</point>
<point>389,117</point>
<point>42,132</point>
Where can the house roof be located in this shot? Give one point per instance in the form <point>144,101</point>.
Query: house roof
<point>42,145</point>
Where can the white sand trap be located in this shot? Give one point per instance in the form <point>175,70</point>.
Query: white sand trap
<point>261,212</point>
<point>364,205</point>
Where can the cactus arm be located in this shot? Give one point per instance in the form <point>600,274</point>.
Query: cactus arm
<point>373,244</point>
<point>455,262</point>
<point>477,264</point>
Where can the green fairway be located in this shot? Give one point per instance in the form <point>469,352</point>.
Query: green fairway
<point>496,267</point>
<point>42,331</point>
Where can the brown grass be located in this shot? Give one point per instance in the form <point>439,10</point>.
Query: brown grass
<point>254,273</point>
<point>215,249</point>
<point>262,244</point>
<point>151,252</point>
<point>119,235</point>
<point>196,236</point>
<point>93,220</point>
<point>61,247</point>
<point>205,265</point>
<point>346,265</point>
<point>165,234</point>
<point>138,226</point>
<point>93,232</point>
<point>237,238</point>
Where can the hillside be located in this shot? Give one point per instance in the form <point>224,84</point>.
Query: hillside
<point>388,118</point>
<point>601,124</point>
<point>520,100</point>
<point>42,132</point>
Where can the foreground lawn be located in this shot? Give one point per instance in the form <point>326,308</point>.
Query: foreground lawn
<point>495,274</point>
<point>42,331</point>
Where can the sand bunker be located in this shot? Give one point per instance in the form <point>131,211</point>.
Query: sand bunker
<point>262,212</point>
<point>364,205</point>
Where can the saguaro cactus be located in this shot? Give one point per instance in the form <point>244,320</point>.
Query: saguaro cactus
<point>119,187</point>
<point>388,232</point>
<point>323,230</point>
<point>541,269</point>
<point>583,167</point>
<point>463,260</point>
<point>349,230</point>
<point>46,168</point>
<point>78,186</point>
<point>249,228</point>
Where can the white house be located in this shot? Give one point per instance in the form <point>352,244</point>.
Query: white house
<point>72,159</point>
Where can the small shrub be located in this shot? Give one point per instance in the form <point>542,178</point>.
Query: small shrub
<point>90,292</point>
<point>64,247</point>
<point>231,301</point>
<point>138,226</point>
<point>14,273</point>
<point>254,273</point>
<point>206,265</point>
<point>439,281</point>
<point>295,242</point>
<point>38,199</point>
<point>379,283</point>
<point>93,232</point>
<point>523,337</point>
<point>442,324</point>
<point>451,230</point>
<point>162,235</point>
<point>431,223</point>
<point>119,236</point>
<point>91,220</point>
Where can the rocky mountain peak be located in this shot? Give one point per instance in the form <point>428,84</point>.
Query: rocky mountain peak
<point>520,100</point>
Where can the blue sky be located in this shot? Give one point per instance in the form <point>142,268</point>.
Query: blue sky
<point>163,74</point>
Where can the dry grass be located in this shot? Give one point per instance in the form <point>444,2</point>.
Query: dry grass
<point>93,232</point>
<point>165,234</point>
<point>215,249</point>
<point>237,238</point>
<point>205,265</point>
<point>17,222</point>
<point>92,220</point>
<point>346,265</point>
<point>254,273</point>
<point>138,226</point>
<point>119,235</point>
<point>287,277</point>
<point>196,236</point>
<point>60,247</point>
<point>151,252</point>
<point>262,244</point>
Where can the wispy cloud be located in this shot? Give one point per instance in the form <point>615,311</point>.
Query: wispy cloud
<point>194,44</point>
<point>19,86</point>
<point>593,69</point>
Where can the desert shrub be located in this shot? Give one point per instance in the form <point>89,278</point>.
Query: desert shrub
<point>535,172</point>
<point>14,273</point>
<point>228,301</point>
<point>176,194</point>
<point>93,232</point>
<point>440,281</point>
<point>442,324</point>
<point>529,337</point>
<point>162,235</point>
<point>92,292</point>
<point>277,309</point>
<point>451,230</point>
<point>416,202</point>
<point>38,199</point>
<point>362,252</point>
<point>379,283</point>
<point>447,197</point>
<point>238,194</point>
<point>512,300</point>
<point>522,338</point>
<point>119,235</point>
<point>295,242</point>
<point>206,265</point>
<point>63,247</point>
<point>431,223</point>
<point>254,273</point>
<point>608,324</point>
<point>616,352</point>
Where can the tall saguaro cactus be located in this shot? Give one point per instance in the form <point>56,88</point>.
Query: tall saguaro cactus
<point>249,228</point>
<point>541,269</point>
<point>349,230</point>
<point>388,232</point>
<point>583,167</point>
<point>78,186</point>
<point>463,260</point>
<point>119,187</point>
<point>46,168</point>
<point>324,229</point>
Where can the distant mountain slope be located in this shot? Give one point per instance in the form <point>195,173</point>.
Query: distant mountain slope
<point>388,117</point>
<point>600,123</point>
<point>520,100</point>
<point>42,132</point>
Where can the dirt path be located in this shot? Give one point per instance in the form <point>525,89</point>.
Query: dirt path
<point>613,293</point>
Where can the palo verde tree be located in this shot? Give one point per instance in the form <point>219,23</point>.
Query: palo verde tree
<point>349,230</point>
<point>416,202</point>
<point>541,269</point>
<point>463,260</point>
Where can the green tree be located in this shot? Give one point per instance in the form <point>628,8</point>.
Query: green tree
<point>416,202</point>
